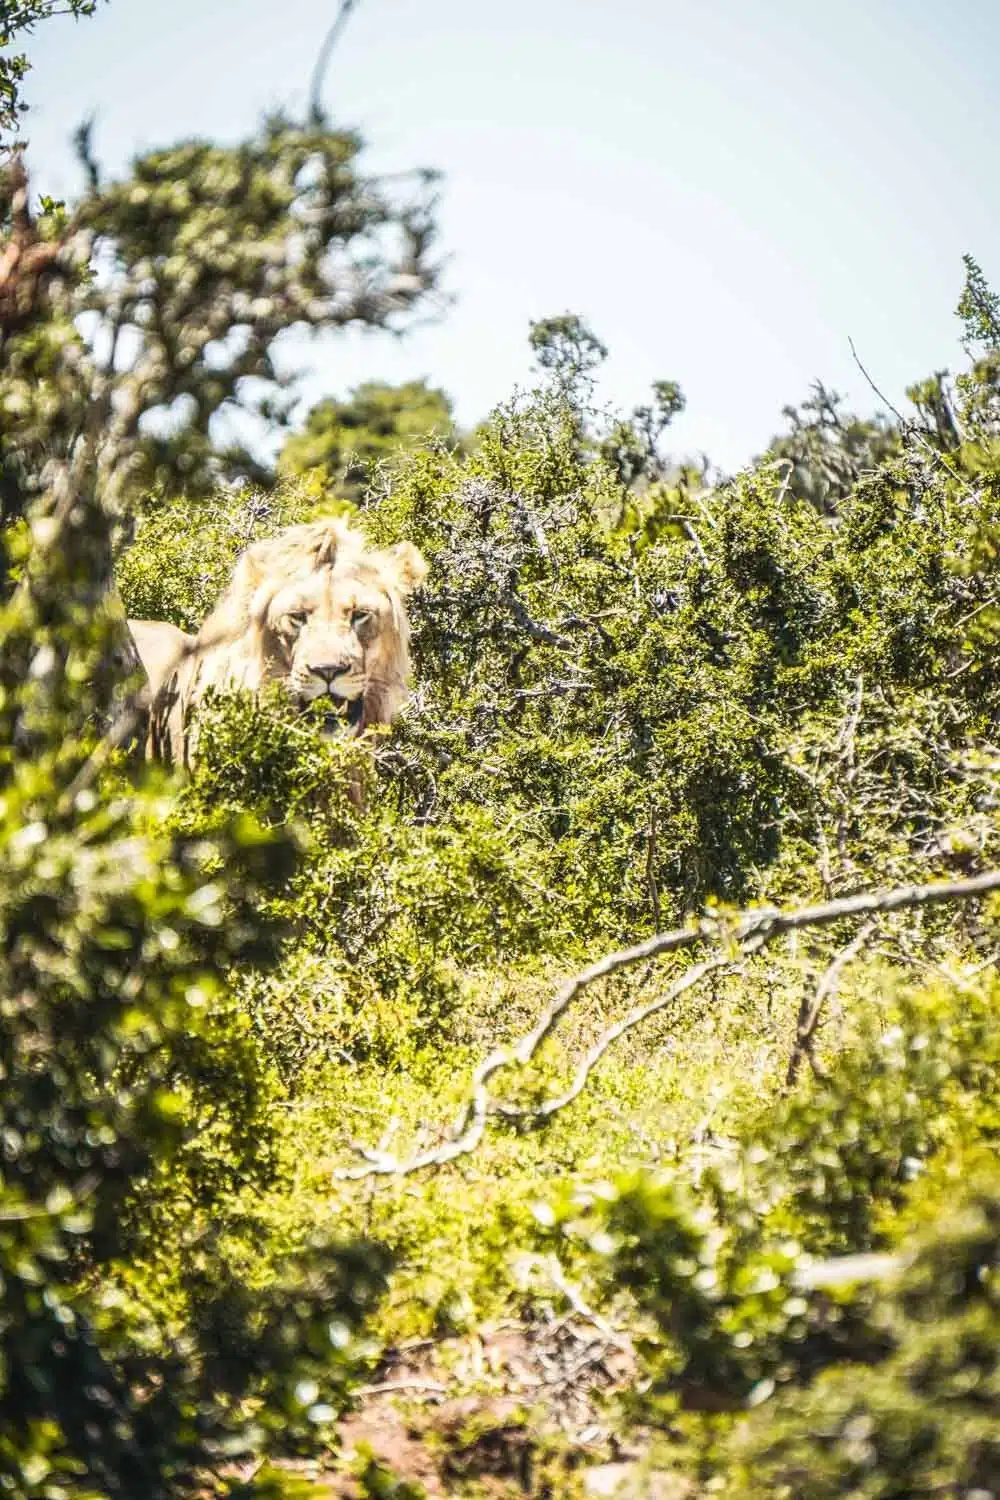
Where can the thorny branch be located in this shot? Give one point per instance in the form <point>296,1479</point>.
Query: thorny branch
<point>736,935</point>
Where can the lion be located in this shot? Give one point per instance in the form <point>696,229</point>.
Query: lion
<point>313,608</point>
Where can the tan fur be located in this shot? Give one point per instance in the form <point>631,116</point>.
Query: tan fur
<point>313,608</point>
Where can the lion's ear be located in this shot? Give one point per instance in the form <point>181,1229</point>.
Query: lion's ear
<point>407,566</point>
<point>261,598</point>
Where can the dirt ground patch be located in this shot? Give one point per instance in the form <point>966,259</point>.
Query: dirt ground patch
<point>514,1410</point>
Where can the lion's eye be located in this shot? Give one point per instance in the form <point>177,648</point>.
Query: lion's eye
<point>359,618</point>
<point>298,618</point>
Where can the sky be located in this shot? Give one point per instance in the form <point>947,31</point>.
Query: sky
<point>725,190</point>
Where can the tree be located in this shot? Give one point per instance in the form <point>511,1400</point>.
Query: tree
<point>568,352</point>
<point>208,255</point>
<point>979,388</point>
<point>631,446</point>
<point>133,1096</point>
<point>346,439</point>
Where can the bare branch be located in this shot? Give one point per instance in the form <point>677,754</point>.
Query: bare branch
<point>392,1387</point>
<point>323,60</point>
<point>843,1270</point>
<point>747,933</point>
<point>911,428</point>
<point>536,631</point>
<point>628,1023</point>
<point>550,1266</point>
<point>695,541</point>
<point>811,1009</point>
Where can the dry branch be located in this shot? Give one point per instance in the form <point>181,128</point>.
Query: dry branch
<point>323,59</point>
<point>735,935</point>
<point>811,1009</point>
<point>628,1023</point>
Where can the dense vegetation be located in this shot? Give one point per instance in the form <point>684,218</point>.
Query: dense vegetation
<point>734,1205</point>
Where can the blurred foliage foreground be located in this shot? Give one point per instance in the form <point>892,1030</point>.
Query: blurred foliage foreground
<point>245,1147</point>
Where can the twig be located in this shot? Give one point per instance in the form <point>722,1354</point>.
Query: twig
<point>323,59</point>
<point>910,427</point>
<point>810,1009</point>
<point>390,1387</point>
<point>749,931</point>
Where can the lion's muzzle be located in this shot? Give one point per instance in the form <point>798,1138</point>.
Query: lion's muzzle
<point>329,671</point>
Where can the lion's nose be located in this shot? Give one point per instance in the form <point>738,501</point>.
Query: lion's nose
<point>328,670</point>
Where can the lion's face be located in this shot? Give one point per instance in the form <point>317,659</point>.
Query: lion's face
<point>318,610</point>
<point>336,636</point>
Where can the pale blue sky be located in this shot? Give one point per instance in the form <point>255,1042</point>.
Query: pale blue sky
<point>724,189</point>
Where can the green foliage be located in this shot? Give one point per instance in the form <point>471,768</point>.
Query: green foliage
<point>185,550</point>
<point>137,1356</point>
<point>386,919</point>
<point>635,705</point>
<point>135,1104</point>
<point>568,351</point>
<point>568,355</point>
<point>631,445</point>
<point>637,695</point>
<point>345,440</point>
<point>933,399</point>
<point>926,1420</point>
<point>22,16</point>
<point>629,705</point>
<point>853,1387</point>
<point>979,388</point>
<point>979,307</point>
<point>828,450</point>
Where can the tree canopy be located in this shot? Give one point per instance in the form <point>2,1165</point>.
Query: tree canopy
<point>342,442</point>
